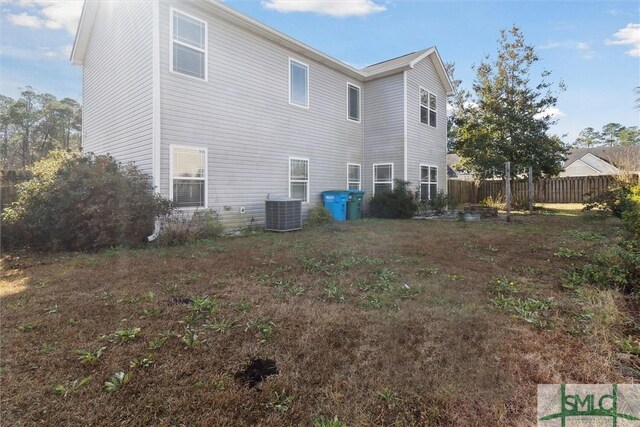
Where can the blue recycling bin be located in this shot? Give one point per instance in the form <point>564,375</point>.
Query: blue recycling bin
<point>336,202</point>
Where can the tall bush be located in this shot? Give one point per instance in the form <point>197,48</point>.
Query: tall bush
<point>82,202</point>
<point>398,203</point>
<point>631,214</point>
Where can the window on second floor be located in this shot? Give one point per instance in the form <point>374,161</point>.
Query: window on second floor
<point>428,103</point>
<point>298,83</point>
<point>188,46</point>
<point>353,102</point>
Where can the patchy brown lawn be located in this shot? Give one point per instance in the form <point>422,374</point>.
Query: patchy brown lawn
<point>426,322</point>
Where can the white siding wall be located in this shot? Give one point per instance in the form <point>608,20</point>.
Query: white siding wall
<point>117,84</point>
<point>243,116</point>
<point>383,127</point>
<point>426,144</point>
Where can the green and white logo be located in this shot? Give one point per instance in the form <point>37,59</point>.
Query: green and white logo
<point>568,405</point>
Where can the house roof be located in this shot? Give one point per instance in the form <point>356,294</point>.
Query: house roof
<point>612,155</point>
<point>393,66</point>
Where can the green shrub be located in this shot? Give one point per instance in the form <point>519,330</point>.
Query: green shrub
<point>399,203</point>
<point>616,266</point>
<point>631,214</point>
<point>441,201</point>
<point>614,200</point>
<point>318,216</point>
<point>184,227</point>
<point>82,202</point>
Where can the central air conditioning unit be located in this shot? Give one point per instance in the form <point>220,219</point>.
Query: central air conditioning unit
<point>283,214</point>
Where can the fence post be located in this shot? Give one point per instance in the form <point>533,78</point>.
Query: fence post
<point>507,171</point>
<point>530,190</point>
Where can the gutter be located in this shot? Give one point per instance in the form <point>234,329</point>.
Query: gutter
<point>156,128</point>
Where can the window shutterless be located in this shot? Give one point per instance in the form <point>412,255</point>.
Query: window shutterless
<point>382,177</point>
<point>188,176</point>
<point>188,45</point>
<point>353,176</point>
<point>298,83</point>
<point>299,179</point>
<point>428,107</point>
<point>428,182</point>
<point>353,102</point>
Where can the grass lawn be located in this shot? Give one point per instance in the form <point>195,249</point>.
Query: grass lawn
<point>426,322</point>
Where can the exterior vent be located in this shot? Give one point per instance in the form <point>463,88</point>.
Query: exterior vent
<point>283,214</point>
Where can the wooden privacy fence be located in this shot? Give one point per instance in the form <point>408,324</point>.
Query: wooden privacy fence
<point>545,190</point>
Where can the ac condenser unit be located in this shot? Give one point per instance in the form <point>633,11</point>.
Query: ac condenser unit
<point>283,214</point>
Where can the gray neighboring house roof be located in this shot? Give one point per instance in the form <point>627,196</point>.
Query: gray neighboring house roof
<point>612,155</point>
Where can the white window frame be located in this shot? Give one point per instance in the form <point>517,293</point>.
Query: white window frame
<point>428,183</point>
<point>205,50</point>
<point>349,182</point>
<point>359,103</point>
<point>205,178</point>
<point>307,181</point>
<point>429,109</point>
<point>306,66</point>
<point>382,182</point>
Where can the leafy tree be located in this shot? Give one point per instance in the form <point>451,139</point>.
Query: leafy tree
<point>629,136</point>
<point>610,133</point>
<point>588,137</point>
<point>35,124</point>
<point>508,118</point>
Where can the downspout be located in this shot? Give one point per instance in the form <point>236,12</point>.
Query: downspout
<point>406,140</point>
<point>156,130</point>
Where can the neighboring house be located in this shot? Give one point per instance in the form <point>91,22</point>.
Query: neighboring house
<point>601,161</point>
<point>222,111</point>
<point>455,171</point>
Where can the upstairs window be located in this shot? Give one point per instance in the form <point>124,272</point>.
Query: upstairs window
<point>298,84</point>
<point>353,176</point>
<point>353,101</point>
<point>382,178</point>
<point>428,103</point>
<point>188,46</point>
<point>428,182</point>
<point>299,179</point>
<point>188,177</point>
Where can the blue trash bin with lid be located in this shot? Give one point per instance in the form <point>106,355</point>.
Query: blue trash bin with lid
<point>336,202</point>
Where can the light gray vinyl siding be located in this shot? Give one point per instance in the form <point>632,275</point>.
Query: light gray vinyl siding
<point>117,84</point>
<point>243,117</point>
<point>426,144</point>
<point>383,127</point>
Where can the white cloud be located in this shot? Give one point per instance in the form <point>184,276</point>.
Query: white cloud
<point>26,20</point>
<point>54,15</point>
<point>629,35</point>
<point>337,8</point>
<point>584,49</point>
<point>553,112</point>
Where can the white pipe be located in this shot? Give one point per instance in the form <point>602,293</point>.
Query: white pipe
<point>156,231</point>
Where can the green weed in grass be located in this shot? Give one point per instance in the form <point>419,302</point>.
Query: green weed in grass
<point>532,310</point>
<point>389,396</point>
<point>145,362</point>
<point>333,292</point>
<point>568,253</point>
<point>630,345</point>
<point>89,356</point>
<point>116,382</point>
<point>323,421</point>
<point>281,401</point>
<point>63,390</point>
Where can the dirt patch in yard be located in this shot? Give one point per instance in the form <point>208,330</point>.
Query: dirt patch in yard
<point>377,323</point>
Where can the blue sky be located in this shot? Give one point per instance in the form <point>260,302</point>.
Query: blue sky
<point>594,46</point>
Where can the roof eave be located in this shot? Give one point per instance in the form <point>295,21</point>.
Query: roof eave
<point>89,9</point>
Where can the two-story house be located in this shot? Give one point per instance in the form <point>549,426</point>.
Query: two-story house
<point>221,110</point>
